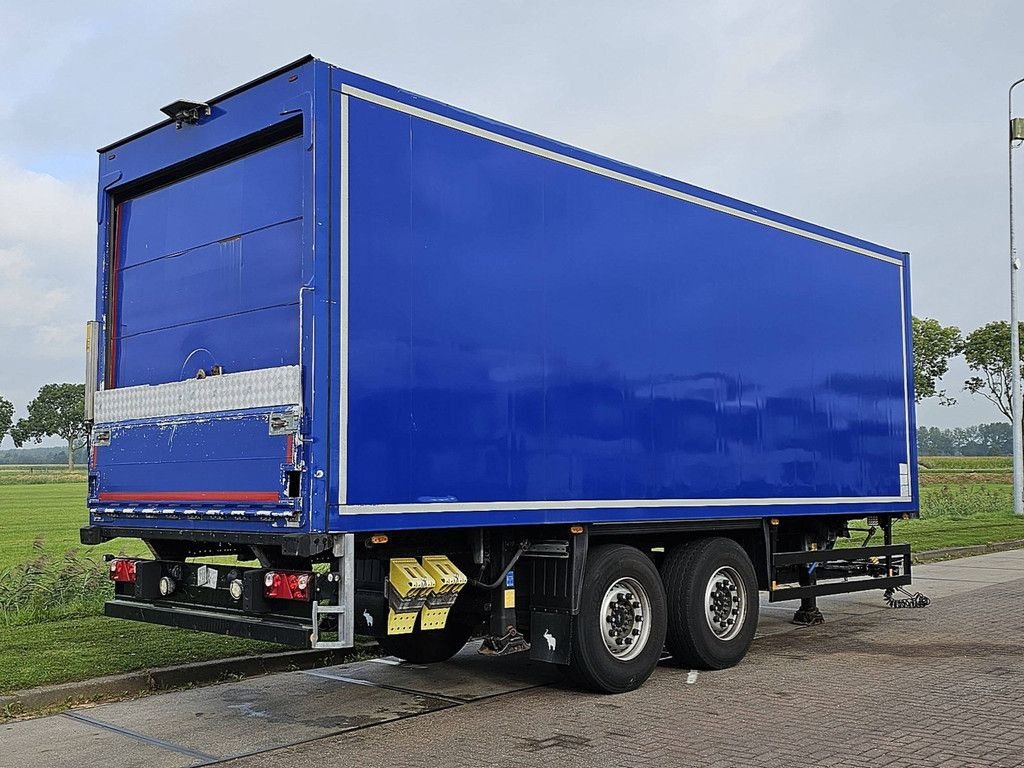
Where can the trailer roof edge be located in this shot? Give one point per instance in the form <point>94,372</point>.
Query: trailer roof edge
<point>237,89</point>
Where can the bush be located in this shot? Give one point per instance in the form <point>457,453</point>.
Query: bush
<point>48,588</point>
<point>957,502</point>
<point>966,463</point>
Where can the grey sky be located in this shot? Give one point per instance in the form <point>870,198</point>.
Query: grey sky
<point>886,121</point>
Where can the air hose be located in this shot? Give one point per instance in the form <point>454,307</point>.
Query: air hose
<point>501,579</point>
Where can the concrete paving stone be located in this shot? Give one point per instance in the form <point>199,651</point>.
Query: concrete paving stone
<point>61,742</point>
<point>1009,555</point>
<point>260,714</point>
<point>966,573</point>
<point>996,560</point>
<point>770,624</point>
<point>466,677</point>
<point>935,588</point>
<point>831,605</point>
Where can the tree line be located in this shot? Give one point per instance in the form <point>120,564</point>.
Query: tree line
<point>994,439</point>
<point>57,411</point>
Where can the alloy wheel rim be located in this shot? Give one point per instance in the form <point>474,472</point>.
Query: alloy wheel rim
<point>625,619</point>
<point>725,603</point>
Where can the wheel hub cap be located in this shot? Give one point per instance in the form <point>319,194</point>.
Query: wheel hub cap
<point>725,603</point>
<point>625,619</point>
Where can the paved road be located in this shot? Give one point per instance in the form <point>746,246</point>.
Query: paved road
<point>941,686</point>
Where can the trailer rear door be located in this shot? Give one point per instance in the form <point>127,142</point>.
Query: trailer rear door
<point>206,271</point>
<point>203,334</point>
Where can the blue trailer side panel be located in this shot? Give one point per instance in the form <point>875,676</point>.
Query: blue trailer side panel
<point>525,334</point>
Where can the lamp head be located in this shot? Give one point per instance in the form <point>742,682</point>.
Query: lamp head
<point>1017,129</point>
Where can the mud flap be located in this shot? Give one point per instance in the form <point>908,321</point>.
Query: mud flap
<point>550,636</point>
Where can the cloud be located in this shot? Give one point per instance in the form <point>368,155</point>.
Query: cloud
<point>47,263</point>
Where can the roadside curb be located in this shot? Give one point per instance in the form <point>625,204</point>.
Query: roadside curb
<point>935,555</point>
<point>180,676</point>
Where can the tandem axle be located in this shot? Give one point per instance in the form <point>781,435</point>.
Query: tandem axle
<point>601,601</point>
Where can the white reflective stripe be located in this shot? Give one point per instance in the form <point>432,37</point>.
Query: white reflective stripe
<point>263,388</point>
<point>498,138</point>
<point>533,506</point>
<point>906,372</point>
<point>343,276</point>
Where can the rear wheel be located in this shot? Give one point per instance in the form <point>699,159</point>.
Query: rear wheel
<point>428,647</point>
<point>619,632</point>
<point>712,603</point>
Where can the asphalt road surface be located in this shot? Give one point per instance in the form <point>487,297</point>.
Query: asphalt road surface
<point>938,686</point>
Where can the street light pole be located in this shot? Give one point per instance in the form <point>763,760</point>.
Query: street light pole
<point>1018,445</point>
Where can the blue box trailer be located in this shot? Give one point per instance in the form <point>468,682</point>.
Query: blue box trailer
<point>492,384</point>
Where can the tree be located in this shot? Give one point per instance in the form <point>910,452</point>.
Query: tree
<point>6,416</point>
<point>979,440</point>
<point>987,351</point>
<point>933,441</point>
<point>996,439</point>
<point>57,411</point>
<point>934,345</point>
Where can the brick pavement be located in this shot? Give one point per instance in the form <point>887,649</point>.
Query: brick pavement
<point>943,686</point>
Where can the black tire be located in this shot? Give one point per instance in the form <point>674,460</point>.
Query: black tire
<point>687,572</point>
<point>592,665</point>
<point>428,647</point>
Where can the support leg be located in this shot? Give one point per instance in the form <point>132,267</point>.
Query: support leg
<point>504,637</point>
<point>808,613</point>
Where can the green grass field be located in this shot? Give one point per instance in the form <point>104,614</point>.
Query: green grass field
<point>963,501</point>
<point>965,463</point>
<point>37,474</point>
<point>66,639</point>
<point>93,646</point>
<point>51,514</point>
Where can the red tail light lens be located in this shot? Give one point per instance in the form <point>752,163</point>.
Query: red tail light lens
<point>288,585</point>
<point>122,569</point>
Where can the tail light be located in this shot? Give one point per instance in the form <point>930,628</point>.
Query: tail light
<point>123,570</point>
<point>288,585</point>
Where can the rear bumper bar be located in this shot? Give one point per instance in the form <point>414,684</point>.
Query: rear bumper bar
<point>277,629</point>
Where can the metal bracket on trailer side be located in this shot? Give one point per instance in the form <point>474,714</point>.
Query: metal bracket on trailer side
<point>344,609</point>
<point>892,559</point>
